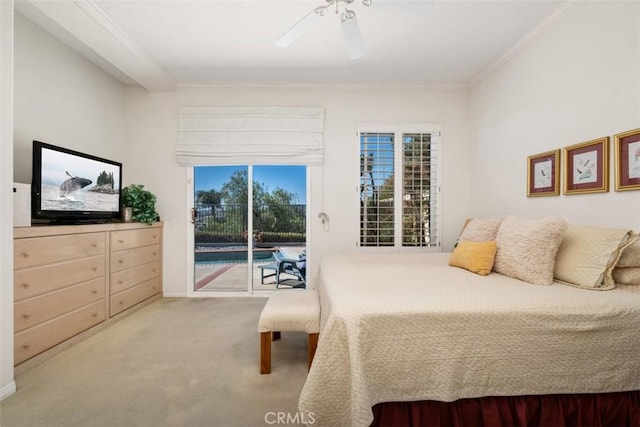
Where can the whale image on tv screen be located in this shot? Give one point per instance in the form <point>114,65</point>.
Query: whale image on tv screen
<point>75,183</point>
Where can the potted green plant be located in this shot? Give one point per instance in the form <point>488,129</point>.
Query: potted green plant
<point>142,203</point>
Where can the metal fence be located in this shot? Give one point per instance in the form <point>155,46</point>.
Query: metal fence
<point>271,223</point>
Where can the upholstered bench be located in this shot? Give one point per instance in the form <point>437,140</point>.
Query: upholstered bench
<point>290,310</point>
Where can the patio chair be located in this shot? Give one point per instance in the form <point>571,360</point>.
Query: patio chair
<point>292,264</point>
<point>269,270</point>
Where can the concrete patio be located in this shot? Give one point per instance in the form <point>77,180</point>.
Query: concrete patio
<point>232,277</point>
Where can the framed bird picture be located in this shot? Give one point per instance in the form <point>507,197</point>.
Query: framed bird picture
<point>587,167</point>
<point>543,174</point>
<point>627,151</point>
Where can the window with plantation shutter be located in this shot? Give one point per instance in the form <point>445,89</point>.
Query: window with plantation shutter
<point>399,187</point>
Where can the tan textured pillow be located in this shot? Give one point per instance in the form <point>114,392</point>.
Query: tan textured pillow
<point>481,229</point>
<point>476,257</point>
<point>587,256</point>
<point>527,248</point>
<point>630,256</point>
<point>627,275</point>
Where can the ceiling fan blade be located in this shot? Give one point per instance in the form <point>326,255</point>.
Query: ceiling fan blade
<point>404,6</point>
<point>294,32</point>
<point>355,44</point>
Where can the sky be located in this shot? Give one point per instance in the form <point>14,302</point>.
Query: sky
<point>55,164</point>
<point>290,178</point>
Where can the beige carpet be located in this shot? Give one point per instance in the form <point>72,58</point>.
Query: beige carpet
<point>177,362</point>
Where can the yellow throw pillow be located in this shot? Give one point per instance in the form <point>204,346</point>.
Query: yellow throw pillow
<point>476,257</point>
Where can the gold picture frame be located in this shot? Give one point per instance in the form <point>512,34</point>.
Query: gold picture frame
<point>543,174</point>
<point>586,167</point>
<point>627,160</point>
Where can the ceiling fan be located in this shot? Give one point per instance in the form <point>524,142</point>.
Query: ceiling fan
<point>350,27</point>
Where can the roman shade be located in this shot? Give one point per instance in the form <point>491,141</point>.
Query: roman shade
<point>250,135</point>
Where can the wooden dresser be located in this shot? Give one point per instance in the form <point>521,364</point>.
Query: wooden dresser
<point>69,279</point>
<point>135,267</point>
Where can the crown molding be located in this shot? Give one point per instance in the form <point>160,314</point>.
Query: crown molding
<point>373,86</point>
<point>522,44</point>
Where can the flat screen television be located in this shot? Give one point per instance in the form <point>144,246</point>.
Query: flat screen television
<point>70,187</point>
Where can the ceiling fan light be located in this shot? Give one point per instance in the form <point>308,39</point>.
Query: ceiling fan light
<point>350,28</point>
<point>347,14</point>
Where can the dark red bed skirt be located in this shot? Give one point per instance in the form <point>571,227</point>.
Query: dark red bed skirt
<point>604,409</point>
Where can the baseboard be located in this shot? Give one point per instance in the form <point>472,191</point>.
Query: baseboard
<point>166,294</point>
<point>7,390</point>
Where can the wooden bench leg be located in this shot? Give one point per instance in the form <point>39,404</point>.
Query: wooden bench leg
<point>313,344</point>
<point>265,352</point>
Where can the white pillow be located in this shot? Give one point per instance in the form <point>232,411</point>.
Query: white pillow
<point>527,248</point>
<point>630,256</point>
<point>588,255</point>
<point>481,229</point>
<point>627,275</point>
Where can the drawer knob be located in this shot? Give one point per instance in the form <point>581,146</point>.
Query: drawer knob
<point>120,241</point>
<point>26,316</point>
<point>25,285</point>
<point>25,254</point>
<point>154,253</point>
<point>95,314</point>
<point>94,291</point>
<point>94,268</point>
<point>155,237</point>
<point>94,245</point>
<point>26,346</point>
<point>121,302</point>
<point>120,282</point>
<point>120,261</point>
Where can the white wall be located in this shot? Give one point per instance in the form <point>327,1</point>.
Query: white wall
<point>62,99</point>
<point>7,385</point>
<point>578,81</point>
<point>59,98</point>
<point>152,132</point>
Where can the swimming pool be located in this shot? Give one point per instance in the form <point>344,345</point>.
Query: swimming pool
<point>232,256</point>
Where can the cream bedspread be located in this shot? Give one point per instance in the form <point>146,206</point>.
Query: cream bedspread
<point>405,327</point>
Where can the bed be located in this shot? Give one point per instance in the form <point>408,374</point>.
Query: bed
<point>411,328</point>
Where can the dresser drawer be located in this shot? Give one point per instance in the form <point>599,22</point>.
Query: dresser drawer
<point>128,239</point>
<point>135,295</point>
<point>134,257</point>
<point>40,280</point>
<point>40,251</point>
<point>127,278</point>
<point>33,341</point>
<point>32,311</point>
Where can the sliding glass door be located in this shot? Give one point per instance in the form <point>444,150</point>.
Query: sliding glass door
<point>220,228</point>
<point>227,240</point>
